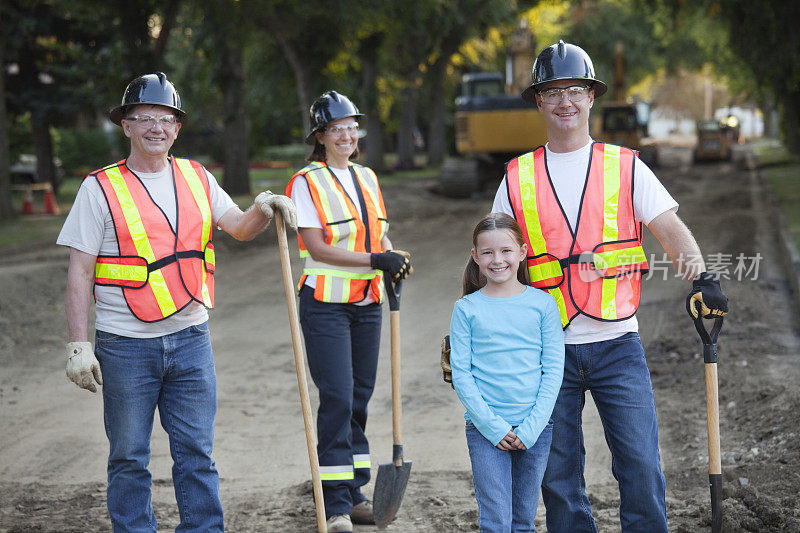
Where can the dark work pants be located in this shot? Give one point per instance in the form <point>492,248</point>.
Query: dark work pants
<point>342,344</point>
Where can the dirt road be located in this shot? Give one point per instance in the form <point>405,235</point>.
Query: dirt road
<point>53,449</point>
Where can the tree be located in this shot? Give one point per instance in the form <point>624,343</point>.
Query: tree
<point>221,32</point>
<point>6,210</point>
<point>309,36</point>
<point>460,20</point>
<point>68,55</point>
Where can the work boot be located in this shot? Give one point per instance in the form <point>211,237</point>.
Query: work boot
<point>362,513</point>
<point>339,523</point>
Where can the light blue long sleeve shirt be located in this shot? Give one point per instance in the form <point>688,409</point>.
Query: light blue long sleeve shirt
<point>507,359</point>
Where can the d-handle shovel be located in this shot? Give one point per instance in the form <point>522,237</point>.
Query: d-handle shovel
<point>390,485</point>
<point>712,410</point>
<point>300,366</point>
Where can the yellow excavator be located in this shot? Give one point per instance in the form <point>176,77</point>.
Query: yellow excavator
<point>621,121</point>
<point>494,124</point>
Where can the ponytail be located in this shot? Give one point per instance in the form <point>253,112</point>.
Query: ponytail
<point>473,279</point>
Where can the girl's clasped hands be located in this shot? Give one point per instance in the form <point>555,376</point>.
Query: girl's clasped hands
<point>511,442</point>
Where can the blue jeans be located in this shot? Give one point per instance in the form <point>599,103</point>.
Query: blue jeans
<point>616,373</point>
<point>342,343</point>
<point>176,374</point>
<point>507,483</point>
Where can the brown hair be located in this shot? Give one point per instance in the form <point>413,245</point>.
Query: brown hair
<point>473,279</point>
<point>318,154</point>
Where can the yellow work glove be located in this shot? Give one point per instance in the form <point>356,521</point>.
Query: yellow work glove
<point>268,202</point>
<point>82,365</point>
<point>408,269</point>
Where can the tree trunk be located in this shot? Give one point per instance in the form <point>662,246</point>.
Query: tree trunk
<point>374,125</point>
<point>301,73</point>
<point>6,209</point>
<point>43,145</point>
<point>436,133</point>
<point>408,117</point>
<point>767,105</point>
<point>237,173</point>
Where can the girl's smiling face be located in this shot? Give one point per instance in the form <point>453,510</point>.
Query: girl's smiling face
<point>498,254</point>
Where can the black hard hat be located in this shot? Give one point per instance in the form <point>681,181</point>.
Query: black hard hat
<point>327,108</point>
<point>562,61</point>
<point>153,89</point>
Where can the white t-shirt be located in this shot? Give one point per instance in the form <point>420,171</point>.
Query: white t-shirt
<point>568,174</point>
<point>89,228</point>
<point>307,216</point>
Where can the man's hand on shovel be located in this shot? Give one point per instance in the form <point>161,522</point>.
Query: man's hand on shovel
<point>707,292</point>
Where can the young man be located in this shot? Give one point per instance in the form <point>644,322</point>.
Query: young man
<point>140,239</point>
<point>581,205</point>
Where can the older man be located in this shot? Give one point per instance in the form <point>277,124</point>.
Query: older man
<point>581,205</point>
<point>140,239</point>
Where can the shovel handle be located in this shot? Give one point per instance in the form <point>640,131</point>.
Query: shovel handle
<point>300,367</point>
<point>712,415</point>
<point>709,338</point>
<point>393,292</point>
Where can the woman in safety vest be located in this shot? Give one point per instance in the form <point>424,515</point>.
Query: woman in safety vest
<point>342,226</point>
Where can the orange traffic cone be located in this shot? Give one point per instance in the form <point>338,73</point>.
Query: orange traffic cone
<point>50,205</point>
<point>27,204</point>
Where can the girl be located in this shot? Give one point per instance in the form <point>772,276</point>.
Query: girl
<point>507,358</point>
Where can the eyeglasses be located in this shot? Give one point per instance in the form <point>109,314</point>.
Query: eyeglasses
<point>336,130</point>
<point>147,121</point>
<point>575,93</point>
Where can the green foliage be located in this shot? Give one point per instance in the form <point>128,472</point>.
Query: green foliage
<point>82,151</point>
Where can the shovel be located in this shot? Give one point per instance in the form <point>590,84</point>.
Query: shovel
<point>390,485</point>
<point>300,366</point>
<point>712,413</point>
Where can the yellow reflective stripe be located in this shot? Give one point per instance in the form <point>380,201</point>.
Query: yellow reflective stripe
<point>351,236</point>
<point>134,222</point>
<point>323,196</point>
<point>336,476</point>
<point>371,190</point>
<point>210,256</point>
<point>362,464</point>
<point>338,273</point>
<point>202,201</point>
<point>562,306</point>
<point>199,194</point>
<point>326,287</point>
<point>527,189</point>
<point>611,183</point>
<point>304,253</point>
<point>551,269</point>
<point>336,473</point>
<point>120,272</point>
<point>614,258</point>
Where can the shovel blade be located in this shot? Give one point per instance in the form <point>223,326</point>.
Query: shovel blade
<point>390,486</point>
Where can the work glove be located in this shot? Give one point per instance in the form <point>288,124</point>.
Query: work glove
<point>706,290</point>
<point>447,371</point>
<point>82,365</point>
<point>396,263</point>
<point>268,202</point>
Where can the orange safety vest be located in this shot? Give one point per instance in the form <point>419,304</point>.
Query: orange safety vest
<point>160,269</point>
<point>595,270</point>
<point>343,228</point>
